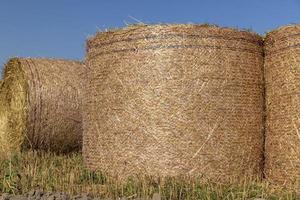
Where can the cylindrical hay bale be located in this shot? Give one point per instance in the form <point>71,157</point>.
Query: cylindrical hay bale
<point>282,74</point>
<point>168,100</point>
<point>43,104</point>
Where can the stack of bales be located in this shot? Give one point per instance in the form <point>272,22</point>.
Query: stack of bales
<point>282,72</point>
<point>164,100</point>
<point>41,99</point>
<point>175,100</point>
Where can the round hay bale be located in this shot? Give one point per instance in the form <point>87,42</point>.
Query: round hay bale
<point>282,74</point>
<point>168,100</point>
<point>43,103</point>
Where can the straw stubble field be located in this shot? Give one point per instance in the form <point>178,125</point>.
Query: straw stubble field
<point>31,170</point>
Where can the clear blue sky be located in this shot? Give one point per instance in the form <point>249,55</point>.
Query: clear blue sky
<point>59,28</point>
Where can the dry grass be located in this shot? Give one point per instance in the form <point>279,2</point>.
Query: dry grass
<point>31,170</point>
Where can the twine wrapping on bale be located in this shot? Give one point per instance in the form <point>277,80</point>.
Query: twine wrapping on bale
<point>168,100</point>
<point>282,73</point>
<point>43,104</point>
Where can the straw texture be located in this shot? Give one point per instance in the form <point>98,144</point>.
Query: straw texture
<point>175,100</point>
<point>282,72</point>
<point>43,103</point>
<point>6,144</point>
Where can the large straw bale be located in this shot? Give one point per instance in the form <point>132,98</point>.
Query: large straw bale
<point>42,98</point>
<point>282,74</point>
<point>174,100</point>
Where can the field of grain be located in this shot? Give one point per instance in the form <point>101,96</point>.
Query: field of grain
<point>38,170</point>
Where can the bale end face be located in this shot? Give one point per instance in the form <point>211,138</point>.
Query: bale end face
<point>14,105</point>
<point>7,146</point>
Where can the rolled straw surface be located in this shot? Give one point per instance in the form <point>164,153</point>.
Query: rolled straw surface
<point>168,100</point>
<point>43,104</point>
<point>282,74</point>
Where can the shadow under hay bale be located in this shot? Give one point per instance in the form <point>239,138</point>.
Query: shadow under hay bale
<point>42,98</point>
<point>282,72</point>
<point>175,100</point>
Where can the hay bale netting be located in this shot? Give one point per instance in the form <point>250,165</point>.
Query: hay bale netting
<point>282,72</point>
<point>43,103</point>
<point>174,100</point>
